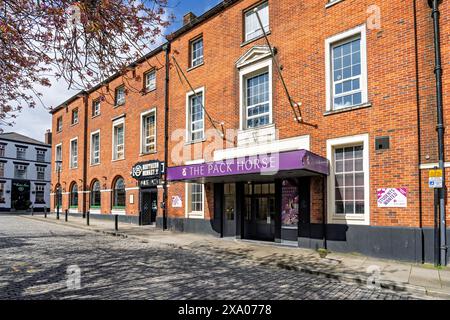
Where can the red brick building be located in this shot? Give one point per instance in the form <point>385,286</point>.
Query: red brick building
<point>352,175</point>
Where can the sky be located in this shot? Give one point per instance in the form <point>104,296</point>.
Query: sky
<point>34,122</point>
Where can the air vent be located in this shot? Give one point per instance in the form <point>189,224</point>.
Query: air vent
<point>382,143</point>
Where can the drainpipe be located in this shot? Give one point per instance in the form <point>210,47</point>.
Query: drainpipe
<point>166,133</point>
<point>434,4</point>
<point>85,137</point>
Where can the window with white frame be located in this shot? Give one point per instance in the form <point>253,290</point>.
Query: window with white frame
<point>40,155</point>
<point>40,173</point>
<point>197,52</point>
<point>252,26</point>
<point>2,169</point>
<point>150,80</point>
<point>21,153</point>
<point>40,194</point>
<point>148,129</point>
<point>349,180</point>
<point>195,200</point>
<point>75,116</point>
<point>119,140</point>
<point>96,108</point>
<point>196,119</point>
<point>347,70</point>
<point>20,171</point>
<point>2,150</point>
<point>59,124</point>
<point>95,148</point>
<point>257,97</point>
<point>120,96</point>
<point>74,153</point>
<point>58,156</point>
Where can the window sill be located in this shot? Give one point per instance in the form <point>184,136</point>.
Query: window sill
<point>194,215</point>
<point>74,124</point>
<point>119,104</point>
<point>361,106</point>
<point>147,153</point>
<point>195,67</point>
<point>243,44</point>
<point>96,116</point>
<point>347,220</point>
<point>188,143</point>
<point>74,168</point>
<point>117,160</point>
<point>95,164</point>
<point>147,91</point>
<point>332,3</point>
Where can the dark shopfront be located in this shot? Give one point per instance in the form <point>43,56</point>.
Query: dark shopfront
<point>265,197</point>
<point>148,175</point>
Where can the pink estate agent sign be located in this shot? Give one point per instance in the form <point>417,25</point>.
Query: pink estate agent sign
<point>392,198</point>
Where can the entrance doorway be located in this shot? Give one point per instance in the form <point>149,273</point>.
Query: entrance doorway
<point>149,206</point>
<point>20,195</point>
<point>259,211</point>
<point>229,210</point>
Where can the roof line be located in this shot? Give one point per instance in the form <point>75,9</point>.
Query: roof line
<point>198,20</point>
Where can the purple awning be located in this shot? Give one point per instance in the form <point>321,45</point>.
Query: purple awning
<point>267,165</point>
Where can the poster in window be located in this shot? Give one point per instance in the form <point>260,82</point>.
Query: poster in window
<point>290,204</point>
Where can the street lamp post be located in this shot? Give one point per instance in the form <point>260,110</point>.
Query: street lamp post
<point>58,190</point>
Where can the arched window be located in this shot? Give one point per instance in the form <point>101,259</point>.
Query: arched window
<point>119,194</point>
<point>95,195</point>
<point>74,196</point>
<point>58,196</point>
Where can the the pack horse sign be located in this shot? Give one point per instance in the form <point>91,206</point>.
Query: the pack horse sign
<point>148,173</point>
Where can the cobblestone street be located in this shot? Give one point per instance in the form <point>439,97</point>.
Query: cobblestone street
<point>35,257</point>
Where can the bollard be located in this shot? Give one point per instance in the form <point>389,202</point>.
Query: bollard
<point>45,212</point>
<point>87,217</point>
<point>116,222</point>
<point>57,214</point>
<point>67,213</point>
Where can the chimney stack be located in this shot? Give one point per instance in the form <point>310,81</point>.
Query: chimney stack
<point>48,137</point>
<point>188,18</point>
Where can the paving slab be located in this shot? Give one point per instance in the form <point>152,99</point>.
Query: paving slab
<point>425,277</point>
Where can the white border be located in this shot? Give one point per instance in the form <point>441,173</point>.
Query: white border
<point>99,148</point>
<point>188,113</point>
<point>194,214</point>
<point>244,73</point>
<point>116,123</point>
<point>56,157</point>
<point>143,114</point>
<point>70,153</point>
<point>329,42</point>
<point>349,219</point>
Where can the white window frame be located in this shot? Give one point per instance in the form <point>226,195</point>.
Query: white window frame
<point>91,151</point>
<point>116,96</point>
<point>244,74</point>
<point>71,164</point>
<point>194,61</point>
<point>25,169</point>
<point>2,169</point>
<point>189,95</point>
<point>42,153</point>
<point>2,150</point>
<point>23,150</point>
<point>188,197</point>
<point>353,219</point>
<point>115,124</point>
<point>59,145</point>
<point>142,135</point>
<point>250,12</point>
<point>77,119</point>
<point>40,169</point>
<point>58,127</point>
<point>329,44</point>
<point>96,111</point>
<point>150,85</point>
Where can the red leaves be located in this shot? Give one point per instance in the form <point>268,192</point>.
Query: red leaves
<point>83,42</point>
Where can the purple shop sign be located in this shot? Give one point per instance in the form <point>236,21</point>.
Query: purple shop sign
<point>268,164</point>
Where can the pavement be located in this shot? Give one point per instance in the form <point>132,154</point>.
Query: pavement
<point>404,278</point>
